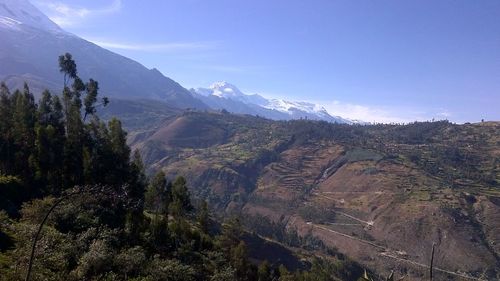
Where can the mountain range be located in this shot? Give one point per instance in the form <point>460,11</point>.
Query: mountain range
<point>223,95</point>
<point>31,43</point>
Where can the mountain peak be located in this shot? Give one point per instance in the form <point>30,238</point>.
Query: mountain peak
<point>225,95</point>
<point>18,12</point>
<point>220,84</point>
<point>224,89</point>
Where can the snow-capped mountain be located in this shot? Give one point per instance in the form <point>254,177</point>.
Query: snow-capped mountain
<point>30,44</point>
<point>21,12</point>
<point>226,90</point>
<point>223,95</point>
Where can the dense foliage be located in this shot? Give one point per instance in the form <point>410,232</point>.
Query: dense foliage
<point>110,221</point>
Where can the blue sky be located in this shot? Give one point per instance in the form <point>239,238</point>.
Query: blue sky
<point>387,61</point>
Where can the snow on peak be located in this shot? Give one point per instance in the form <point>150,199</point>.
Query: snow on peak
<point>293,109</point>
<point>291,106</point>
<point>224,89</point>
<point>220,84</point>
<point>14,13</point>
<point>9,22</point>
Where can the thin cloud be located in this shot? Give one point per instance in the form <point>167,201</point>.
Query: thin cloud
<point>378,114</point>
<point>66,16</point>
<point>155,47</point>
<point>365,113</point>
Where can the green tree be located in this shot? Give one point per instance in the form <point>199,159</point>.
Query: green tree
<point>120,150</point>
<point>24,118</point>
<point>264,271</point>
<point>6,142</point>
<point>91,98</point>
<point>231,234</point>
<point>136,190</point>
<point>79,152</point>
<point>158,194</point>
<point>138,179</point>
<point>67,66</point>
<point>49,140</point>
<point>181,204</point>
<point>98,160</point>
<point>204,217</point>
<point>73,148</point>
<point>157,200</point>
<point>285,275</point>
<point>239,260</point>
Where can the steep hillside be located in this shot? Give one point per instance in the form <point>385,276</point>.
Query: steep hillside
<point>382,194</point>
<point>31,44</point>
<point>139,115</point>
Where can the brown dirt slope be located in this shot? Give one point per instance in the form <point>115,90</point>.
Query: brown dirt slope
<point>381,195</point>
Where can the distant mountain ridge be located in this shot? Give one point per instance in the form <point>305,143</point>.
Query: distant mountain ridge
<point>223,95</point>
<point>31,43</point>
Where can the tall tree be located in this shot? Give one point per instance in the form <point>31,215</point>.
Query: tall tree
<point>68,67</point>
<point>120,150</point>
<point>24,118</point>
<point>73,148</point>
<point>91,98</point>
<point>6,142</point>
<point>204,217</point>
<point>157,201</point>
<point>232,231</point>
<point>55,135</point>
<point>138,180</point>
<point>239,260</point>
<point>49,139</point>
<point>136,187</point>
<point>158,194</point>
<point>181,204</point>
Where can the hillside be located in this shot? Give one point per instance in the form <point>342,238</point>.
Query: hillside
<point>163,183</point>
<point>379,194</point>
<point>76,203</point>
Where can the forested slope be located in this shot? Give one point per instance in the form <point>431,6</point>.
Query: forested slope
<point>71,187</point>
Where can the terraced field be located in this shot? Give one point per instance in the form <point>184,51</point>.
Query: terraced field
<point>382,195</point>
